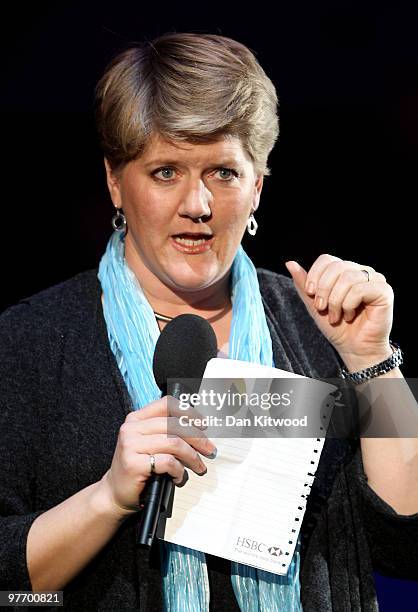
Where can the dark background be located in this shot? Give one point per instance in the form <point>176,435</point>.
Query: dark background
<point>343,173</point>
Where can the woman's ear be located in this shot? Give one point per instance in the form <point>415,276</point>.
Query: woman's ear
<point>113,184</point>
<point>257,192</point>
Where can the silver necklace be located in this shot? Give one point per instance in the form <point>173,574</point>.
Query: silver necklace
<point>161,317</point>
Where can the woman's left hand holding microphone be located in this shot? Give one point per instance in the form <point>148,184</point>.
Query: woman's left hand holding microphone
<point>154,430</point>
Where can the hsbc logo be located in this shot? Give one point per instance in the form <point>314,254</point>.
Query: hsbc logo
<point>261,547</point>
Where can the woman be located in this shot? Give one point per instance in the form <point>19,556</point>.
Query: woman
<point>186,124</point>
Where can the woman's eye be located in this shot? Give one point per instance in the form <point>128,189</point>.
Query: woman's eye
<point>165,173</point>
<point>227,174</point>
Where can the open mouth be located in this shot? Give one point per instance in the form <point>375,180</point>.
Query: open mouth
<point>192,239</point>
<point>192,243</point>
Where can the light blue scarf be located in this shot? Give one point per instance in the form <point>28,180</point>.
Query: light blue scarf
<point>133,332</point>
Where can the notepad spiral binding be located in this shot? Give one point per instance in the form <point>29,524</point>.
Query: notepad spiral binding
<point>319,442</point>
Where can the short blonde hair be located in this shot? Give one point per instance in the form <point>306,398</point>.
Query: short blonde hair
<point>186,87</point>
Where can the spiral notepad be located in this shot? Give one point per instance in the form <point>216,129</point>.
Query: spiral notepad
<point>250,504</point>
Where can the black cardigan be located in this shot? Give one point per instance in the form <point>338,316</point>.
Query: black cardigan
<point>62,401</point>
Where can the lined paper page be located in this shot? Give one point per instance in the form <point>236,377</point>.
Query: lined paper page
<point>249,505</point>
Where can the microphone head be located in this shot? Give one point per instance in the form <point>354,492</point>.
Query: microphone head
<point>183,349</point>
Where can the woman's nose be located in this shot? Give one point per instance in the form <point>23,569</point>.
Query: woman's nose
<point>196,201</point>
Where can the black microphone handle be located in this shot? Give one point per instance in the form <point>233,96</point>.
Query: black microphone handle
<point>153,507</point>
<point>158,494</point>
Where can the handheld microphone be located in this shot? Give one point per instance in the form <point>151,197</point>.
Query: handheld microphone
<point>183,349</point>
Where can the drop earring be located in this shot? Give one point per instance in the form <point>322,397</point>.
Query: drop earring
<point>119,221</point>
<point>252,225</point>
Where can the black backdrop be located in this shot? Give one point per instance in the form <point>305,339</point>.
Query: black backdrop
<point>343,172</point>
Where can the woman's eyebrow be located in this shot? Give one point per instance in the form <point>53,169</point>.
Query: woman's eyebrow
<point>161,162</point>
<point>175,162</point>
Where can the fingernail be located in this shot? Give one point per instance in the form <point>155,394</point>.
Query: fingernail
<point>185,479</point>
<point>203,473</point>
<point>331,317</point>
<point>213,454</point>
<point>295,265</point>
<point>311,288</point>
<point>320,303</point>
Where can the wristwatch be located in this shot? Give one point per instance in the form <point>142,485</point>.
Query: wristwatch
<point>392,362</point>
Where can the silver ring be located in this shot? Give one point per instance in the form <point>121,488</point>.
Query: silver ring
<point>368,275</point>
<point>152,463</point>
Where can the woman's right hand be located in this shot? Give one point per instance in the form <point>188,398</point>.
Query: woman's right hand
<point>144,433</point>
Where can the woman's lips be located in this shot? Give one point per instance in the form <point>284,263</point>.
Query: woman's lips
<point>192,244</point>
